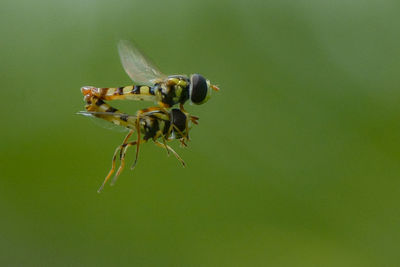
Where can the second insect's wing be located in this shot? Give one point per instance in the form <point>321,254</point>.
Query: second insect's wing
<point>120,122</point>
<point>137,66</point>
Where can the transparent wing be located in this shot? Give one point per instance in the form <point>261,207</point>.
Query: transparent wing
<point>104,123</point>
<point>137,66</point>
<point>111,114</point>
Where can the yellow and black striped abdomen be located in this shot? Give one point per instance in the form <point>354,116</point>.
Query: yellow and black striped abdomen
<point>95,104</point>
<point>131,92</point>
<point>153,122</point>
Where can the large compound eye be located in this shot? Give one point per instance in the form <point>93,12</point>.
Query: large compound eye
<point>179,119</point>
<point>199,89</point>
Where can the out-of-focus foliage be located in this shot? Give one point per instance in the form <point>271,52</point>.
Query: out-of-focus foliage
<point>295,161</point>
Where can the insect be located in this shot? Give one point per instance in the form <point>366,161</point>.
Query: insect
<point>153,123</point>
<point>150,84</point>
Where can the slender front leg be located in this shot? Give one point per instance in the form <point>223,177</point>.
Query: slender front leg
<point>184,136</point>
<point>194,119</point>
<point>165,145</point>
<point>170,149</point>
<point>158,135</point>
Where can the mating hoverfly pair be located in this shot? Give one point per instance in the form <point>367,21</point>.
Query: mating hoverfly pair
<point>163,122</point>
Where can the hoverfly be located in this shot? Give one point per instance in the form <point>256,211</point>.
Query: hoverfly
<point>153,123</point>
<point>150,84</point>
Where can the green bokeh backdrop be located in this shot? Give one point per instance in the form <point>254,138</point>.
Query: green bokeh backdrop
<point>295,161</point>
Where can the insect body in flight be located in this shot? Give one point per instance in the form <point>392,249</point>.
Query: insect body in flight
<point>153,123</point>
<point>153,85</point>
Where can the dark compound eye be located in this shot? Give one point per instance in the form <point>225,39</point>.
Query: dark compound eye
<point>179,119</point>
<point>199,89</point>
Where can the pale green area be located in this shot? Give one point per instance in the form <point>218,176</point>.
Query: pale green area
<point>296,162</point>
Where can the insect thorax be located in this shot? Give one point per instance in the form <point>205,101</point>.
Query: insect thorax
<point>155,126</point>
<point>173,90</point>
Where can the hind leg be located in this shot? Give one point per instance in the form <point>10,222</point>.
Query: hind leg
<point>122,158</point>
<point>119,148</point>
<point>111,171</point>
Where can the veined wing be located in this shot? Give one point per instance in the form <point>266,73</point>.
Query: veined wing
<point>137,66</point>
<point>110,120</point>
<point>111,114</point>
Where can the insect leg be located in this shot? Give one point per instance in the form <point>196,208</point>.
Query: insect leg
<point>139,115</point>
<point>122,165</point>
<point>184,136</point>
<point>170,149</point>
<point>119,148</point>
<point>158,135</point>
<point>182,108</point>
<point>138,140</point>
<point>165,145</point>
<point>125,142</point>
<point>111,171</point>
<point>194,119</point>
<point>122,153</point>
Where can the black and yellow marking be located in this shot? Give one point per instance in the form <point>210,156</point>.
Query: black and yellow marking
<point>124,117</point>
<point>174,90</point>
<point>154,123</point>
<point>111,109</point>
<point>99,102</point>
<point>119,91</point>
<point>95,104</point>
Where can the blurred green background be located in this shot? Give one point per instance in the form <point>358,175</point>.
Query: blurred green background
<point>295,161</point>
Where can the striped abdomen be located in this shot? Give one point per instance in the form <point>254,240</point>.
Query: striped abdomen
<point>167,93</point>
<point>132,92</point>
<point>152,123</point>
<point>114,116</point>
